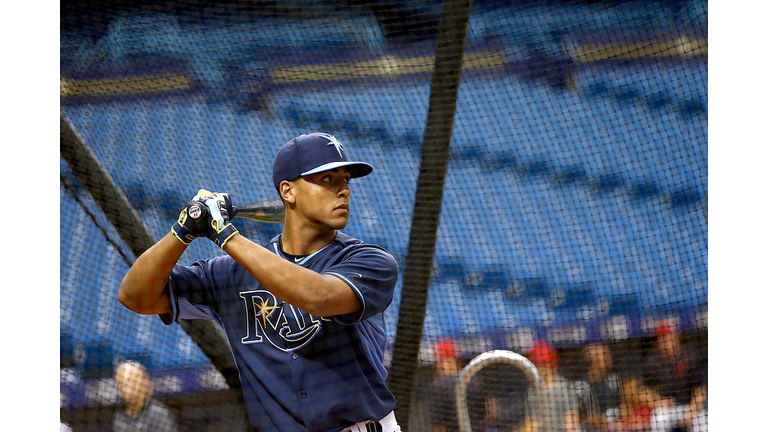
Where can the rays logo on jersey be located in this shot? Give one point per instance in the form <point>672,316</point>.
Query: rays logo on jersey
<point>284,326</point>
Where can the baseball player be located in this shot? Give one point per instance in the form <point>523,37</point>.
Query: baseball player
<point>303,314</point>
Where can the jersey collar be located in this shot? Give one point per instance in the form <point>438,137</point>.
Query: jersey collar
<point>297,259</point>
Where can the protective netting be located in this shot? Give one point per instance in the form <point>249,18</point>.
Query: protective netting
<point>573,227</point>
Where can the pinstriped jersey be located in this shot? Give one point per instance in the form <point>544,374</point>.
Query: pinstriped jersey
<point>299,372</point>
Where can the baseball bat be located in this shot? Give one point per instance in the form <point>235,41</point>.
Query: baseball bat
<point>271,211</point>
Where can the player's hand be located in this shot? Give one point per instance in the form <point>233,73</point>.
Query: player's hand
<point>191,223</point>
<point>192,219</point>
<point>220,211</point>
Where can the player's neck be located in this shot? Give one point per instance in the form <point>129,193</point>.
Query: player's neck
<point>303,240</point>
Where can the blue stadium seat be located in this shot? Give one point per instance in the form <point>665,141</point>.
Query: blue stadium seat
<point>66,350</point>
<point>693,13</point>
<point>99,359</point>
<point>535,288</point>
<point>444,307</point>
<point>451,268</point>
<point>72,392</point>
<point>494,278</point>
<point>624,305</point>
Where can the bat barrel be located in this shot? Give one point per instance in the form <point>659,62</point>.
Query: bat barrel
<point>271,211</point>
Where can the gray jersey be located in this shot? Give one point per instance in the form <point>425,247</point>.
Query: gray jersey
<point>557,401</point>
<point>153,417</point>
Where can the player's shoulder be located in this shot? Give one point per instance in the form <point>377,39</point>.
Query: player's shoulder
<point>346,241</point>
<point>351,246</point>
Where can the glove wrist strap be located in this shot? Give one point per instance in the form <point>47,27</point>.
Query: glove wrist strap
<point>182,234</point>
<point>226,233</point>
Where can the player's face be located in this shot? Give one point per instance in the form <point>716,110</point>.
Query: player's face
<point>323,198</point>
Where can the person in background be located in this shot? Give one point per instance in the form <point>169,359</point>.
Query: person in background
<point>483,408</point>
<point>697,417</point>
<point>643,409</point>
<point>676,373</point>
<point>560,406</point>
<point>443,388</point>
<point>670,417</point>
<point>673,369</point>
<point>637,406</point>
<point>142,412</point>
<point>598,394</point>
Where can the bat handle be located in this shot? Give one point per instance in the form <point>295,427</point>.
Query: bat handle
<point>196,210</point>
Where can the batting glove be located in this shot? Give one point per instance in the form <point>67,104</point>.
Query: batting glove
<point>220,210</point>
<point>191,223</point>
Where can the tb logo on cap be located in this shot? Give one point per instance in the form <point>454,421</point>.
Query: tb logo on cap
<point>336,143</point>
<point>311,154</point>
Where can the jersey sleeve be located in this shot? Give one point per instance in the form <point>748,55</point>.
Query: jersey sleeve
<point>194,291</point>
<point>371,272</point>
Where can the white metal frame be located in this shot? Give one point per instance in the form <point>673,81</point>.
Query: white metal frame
<point>485,359</point>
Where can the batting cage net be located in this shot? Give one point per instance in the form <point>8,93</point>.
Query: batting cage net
<point>540,176</point>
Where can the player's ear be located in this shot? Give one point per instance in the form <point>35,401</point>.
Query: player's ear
<point>288,192</point>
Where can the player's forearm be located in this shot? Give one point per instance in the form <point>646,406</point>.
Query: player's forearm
<point>143,287</point>
<point>318,294</point>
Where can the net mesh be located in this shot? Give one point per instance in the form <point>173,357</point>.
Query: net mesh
<point>573,227</point>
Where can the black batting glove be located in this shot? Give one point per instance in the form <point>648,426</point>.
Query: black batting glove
<point>192,222</point>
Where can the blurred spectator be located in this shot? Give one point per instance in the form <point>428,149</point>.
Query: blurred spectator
<point>142,412</point>
<point>637,405</point>
<point>443,389</point>
<point>483,410</point>
<point>672,368</point>
<point>675,372</point>
<point>697,415</point>
<point>669,417</point>
<point>598,394</point>
<point>492,421</point>
<point>559,403</point>
<point>642,409</point>
<point>494,398</point>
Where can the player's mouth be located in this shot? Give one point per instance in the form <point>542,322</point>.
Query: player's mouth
<point>344,207</point>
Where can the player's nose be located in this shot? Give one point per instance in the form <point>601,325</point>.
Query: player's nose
<point>344,190</point>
